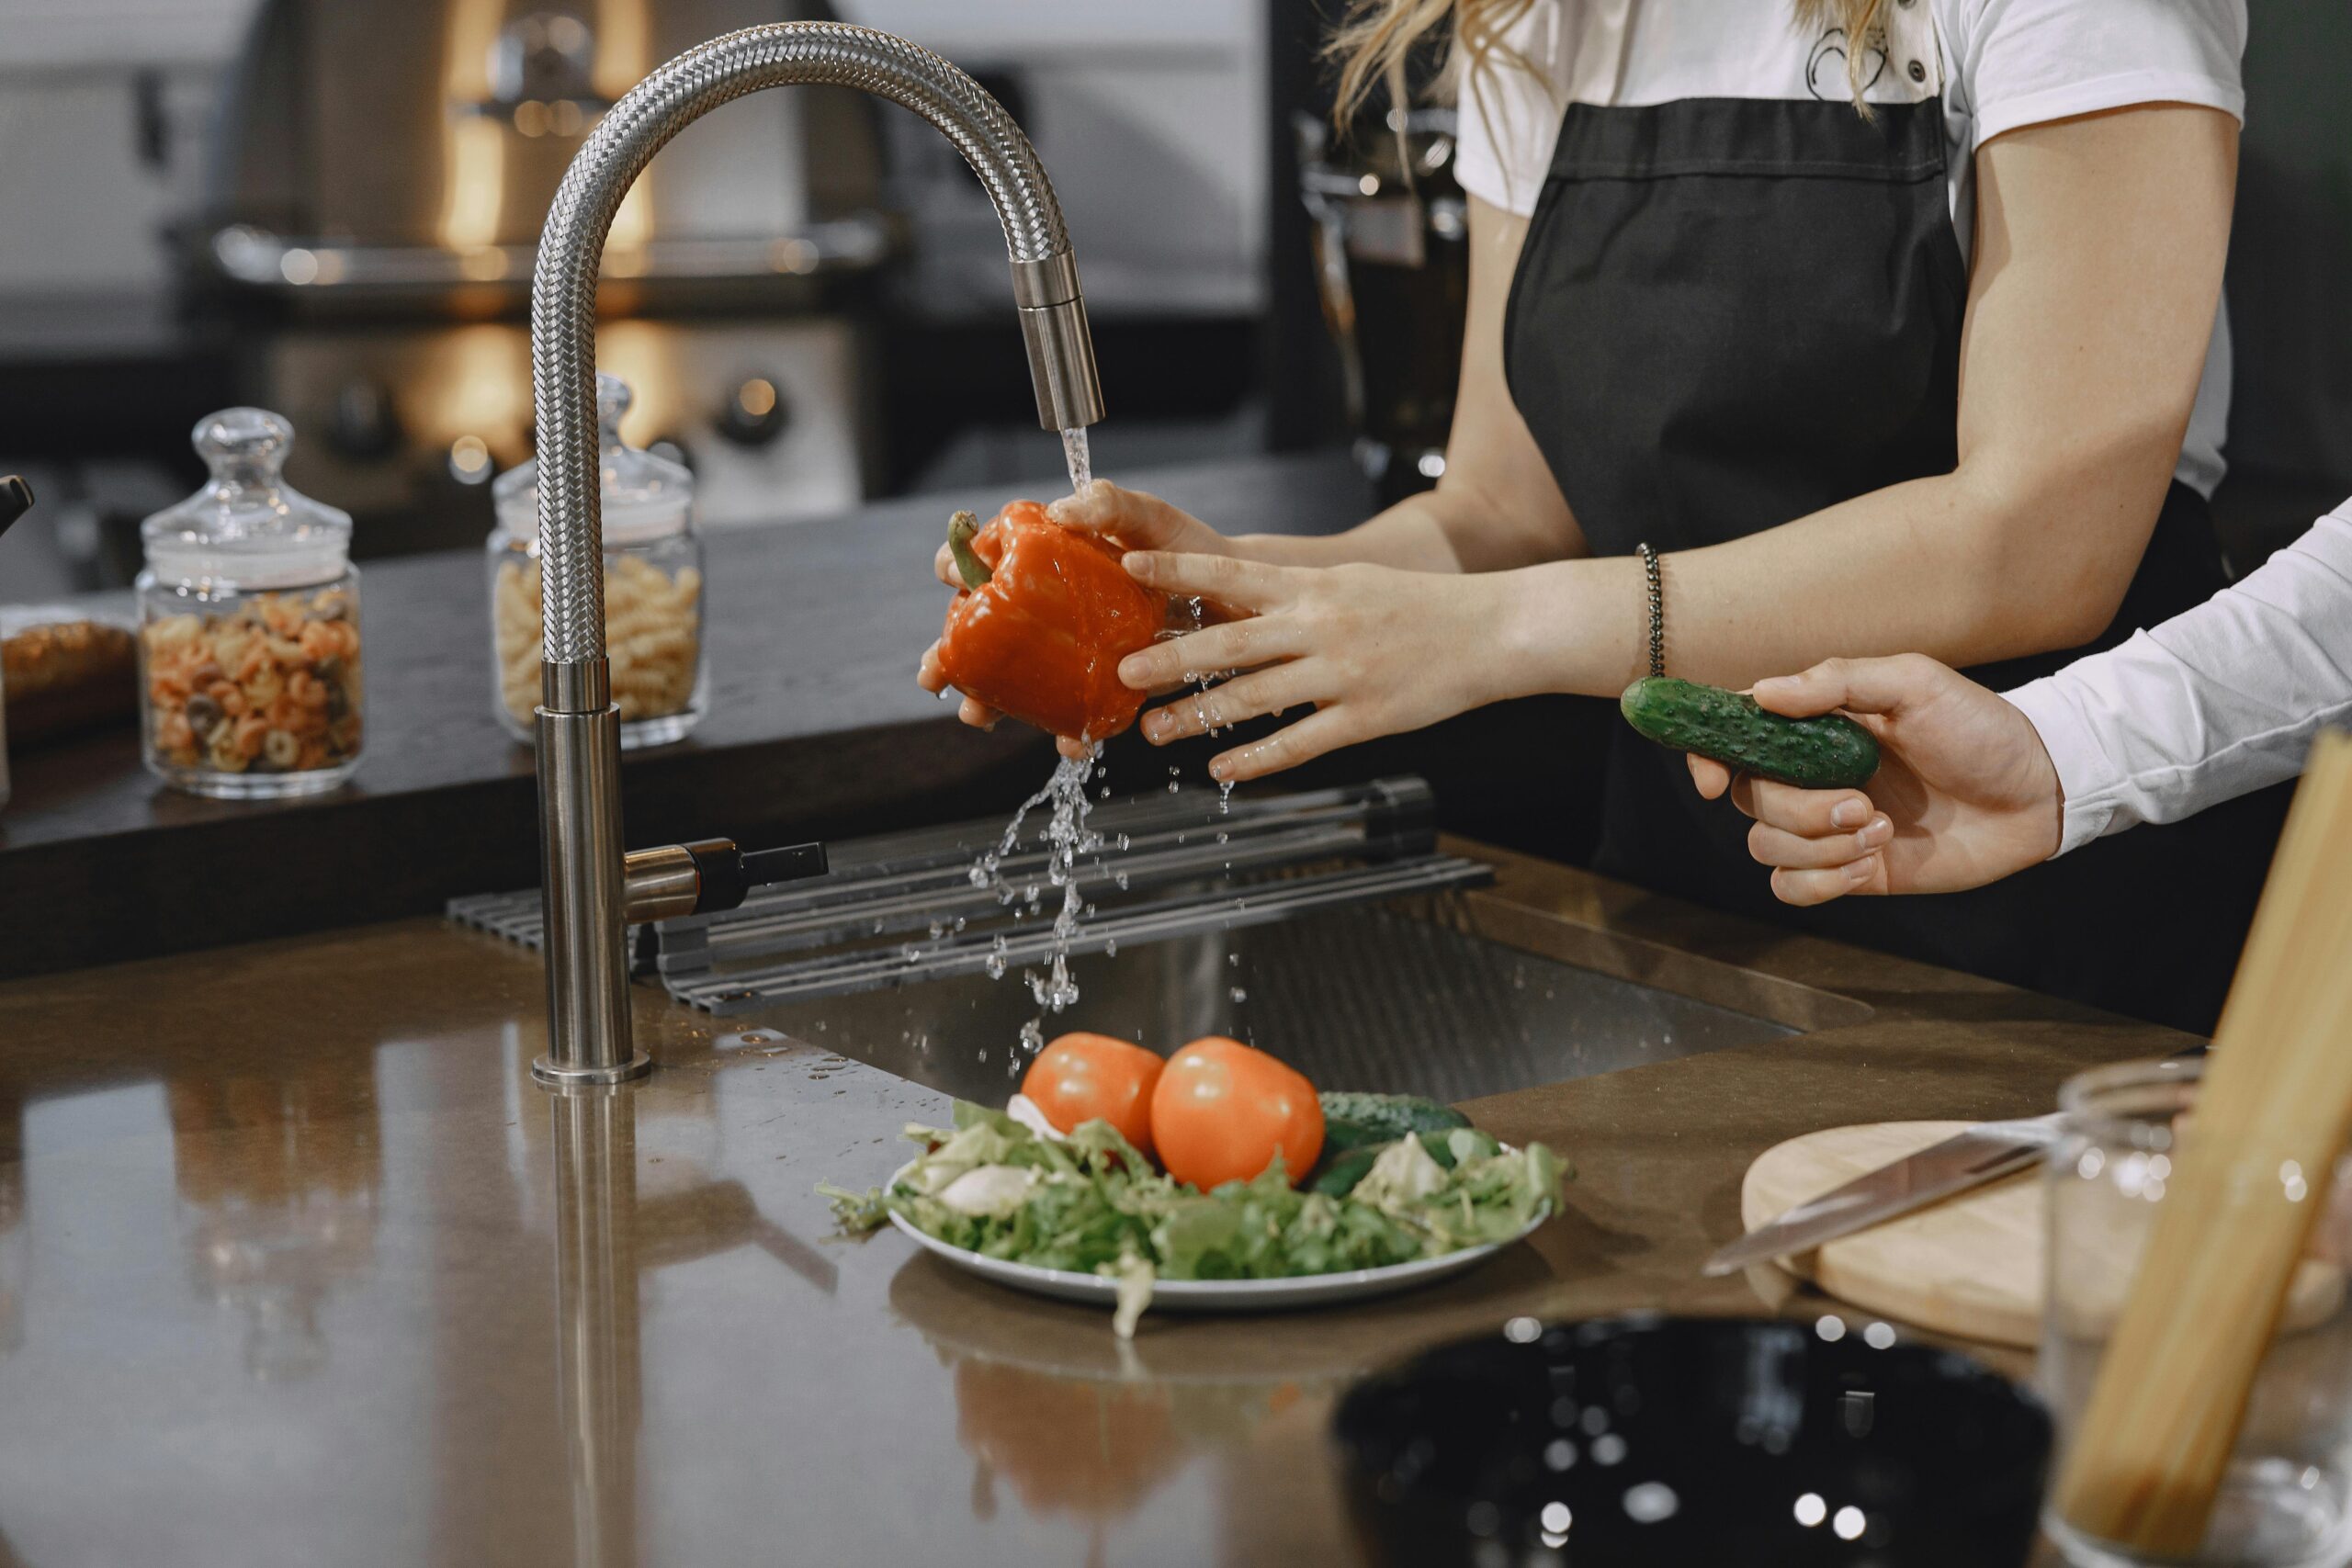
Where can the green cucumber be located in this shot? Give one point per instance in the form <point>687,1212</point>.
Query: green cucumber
<point>1336,1175</point>
<point>1830,751</point>
<point>1388,1117</point>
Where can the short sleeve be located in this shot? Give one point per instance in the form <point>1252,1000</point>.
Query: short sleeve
<point>2027,61</point>
<point>1509,112</point>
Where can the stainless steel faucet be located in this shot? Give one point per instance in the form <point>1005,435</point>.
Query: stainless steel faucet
<point>584,888</point>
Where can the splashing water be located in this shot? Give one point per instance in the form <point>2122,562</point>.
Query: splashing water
<point>1066,838</point>
<point>1081,461</point>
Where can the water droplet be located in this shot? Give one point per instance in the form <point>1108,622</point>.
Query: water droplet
<point>1172,786</point>
<point>1239,994</point>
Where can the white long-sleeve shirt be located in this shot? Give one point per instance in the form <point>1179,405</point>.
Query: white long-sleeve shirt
<point>2215,703</point>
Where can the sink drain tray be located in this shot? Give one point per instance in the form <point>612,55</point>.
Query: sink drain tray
<point>901,908</point>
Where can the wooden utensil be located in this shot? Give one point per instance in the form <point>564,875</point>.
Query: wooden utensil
<point>2271,1117</point>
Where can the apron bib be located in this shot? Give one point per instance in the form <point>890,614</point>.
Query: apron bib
<point>1731,313</point>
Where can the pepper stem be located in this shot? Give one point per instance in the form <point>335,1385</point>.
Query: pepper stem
<point>968,564</point>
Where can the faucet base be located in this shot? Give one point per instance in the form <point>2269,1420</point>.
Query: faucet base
<point>548,1073</point>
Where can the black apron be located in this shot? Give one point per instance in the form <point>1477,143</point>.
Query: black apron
<point>1731,313</point>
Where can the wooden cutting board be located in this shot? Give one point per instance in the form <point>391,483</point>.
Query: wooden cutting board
<point>1970,1265</point>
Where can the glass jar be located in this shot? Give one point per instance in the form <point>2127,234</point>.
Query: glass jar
<point>249,626</point>
<point>653,588</point>
<point>2285,1499</point>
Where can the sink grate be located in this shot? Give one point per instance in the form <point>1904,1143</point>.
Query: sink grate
<point>901,908</point>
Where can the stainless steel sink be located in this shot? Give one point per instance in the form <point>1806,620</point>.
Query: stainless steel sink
<point>1380,997</point>
<point>1330,927</point>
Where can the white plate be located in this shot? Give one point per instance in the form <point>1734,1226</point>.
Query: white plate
<point>1214,1295</point>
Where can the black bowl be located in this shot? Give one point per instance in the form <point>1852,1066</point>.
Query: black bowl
<point>1716,1441</point>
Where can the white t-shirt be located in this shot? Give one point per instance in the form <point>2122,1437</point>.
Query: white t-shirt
<point>1996,65</point>
<point>2217,702</point>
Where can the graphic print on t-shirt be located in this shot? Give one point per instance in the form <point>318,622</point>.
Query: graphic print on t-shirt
<point>1824,69</point>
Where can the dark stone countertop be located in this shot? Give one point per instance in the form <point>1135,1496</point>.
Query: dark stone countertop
<point>816,729</point>
<point>298,1266</point>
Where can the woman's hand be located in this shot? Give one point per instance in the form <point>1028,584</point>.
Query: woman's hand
<point>1127,518</point>
<point>1964,794</point>
<point>1373,650</point>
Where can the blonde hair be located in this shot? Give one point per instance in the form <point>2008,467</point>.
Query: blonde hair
<point>1374,38</point>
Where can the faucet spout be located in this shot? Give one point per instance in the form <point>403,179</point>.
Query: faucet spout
<point>579,727</point>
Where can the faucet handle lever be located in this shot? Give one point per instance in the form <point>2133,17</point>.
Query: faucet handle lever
<point>706,876</point>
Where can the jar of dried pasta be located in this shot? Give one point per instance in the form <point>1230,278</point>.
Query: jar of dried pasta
<point>249,626</point>
<point>653,588</point>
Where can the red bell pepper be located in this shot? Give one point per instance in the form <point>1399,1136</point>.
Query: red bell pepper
<point>1045,618</point>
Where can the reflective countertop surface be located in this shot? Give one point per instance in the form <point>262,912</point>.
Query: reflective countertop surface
<point>298,1266</point>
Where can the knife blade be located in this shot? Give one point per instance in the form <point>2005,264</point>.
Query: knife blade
<point>1983,1153</point>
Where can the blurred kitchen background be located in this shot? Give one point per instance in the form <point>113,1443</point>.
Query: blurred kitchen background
<point>327,207</point>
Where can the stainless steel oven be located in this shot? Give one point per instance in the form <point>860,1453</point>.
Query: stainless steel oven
<point>379,172</point>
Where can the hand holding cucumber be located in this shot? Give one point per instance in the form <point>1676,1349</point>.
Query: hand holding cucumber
<point>1963,792</point>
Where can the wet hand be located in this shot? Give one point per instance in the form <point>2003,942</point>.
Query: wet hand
<point>1127,518</point>
<point>1964,795</point>
<point>1371,649</point>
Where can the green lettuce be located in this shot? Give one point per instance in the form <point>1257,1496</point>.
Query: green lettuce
<point>1093,1203</point>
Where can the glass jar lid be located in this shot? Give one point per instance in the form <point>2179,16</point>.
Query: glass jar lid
<point>644,497</point>
<point>247,527</point>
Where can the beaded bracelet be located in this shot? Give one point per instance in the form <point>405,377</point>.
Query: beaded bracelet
<point>1657,607</point>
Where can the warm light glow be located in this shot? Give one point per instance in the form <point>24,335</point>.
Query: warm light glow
<point>756,397</point>
<point>637,352</point>
<point>624,47</point>
<point>1811,1509</point>
<point>1849,1523</point>
<point>474,175</point>
<point>469,459</point>
<point>623,57</point>
<point>482,385</point>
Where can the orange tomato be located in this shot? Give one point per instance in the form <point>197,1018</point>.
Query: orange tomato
<point>1222,1112</point>
<point>1081,1077</point>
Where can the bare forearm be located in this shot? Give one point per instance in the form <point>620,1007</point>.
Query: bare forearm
<point>1950,566</point>
<point>1410,535</point>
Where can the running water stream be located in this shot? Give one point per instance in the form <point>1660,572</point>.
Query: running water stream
<point>1081,461</point>
<point>1067,837</point>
